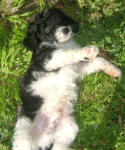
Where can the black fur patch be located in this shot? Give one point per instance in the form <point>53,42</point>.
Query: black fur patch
<point>30,105</point>
<point>40,56</point>
<point>47,148</point>
<point>50,147</point>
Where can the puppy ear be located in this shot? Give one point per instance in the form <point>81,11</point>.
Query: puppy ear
<point>32,41</point>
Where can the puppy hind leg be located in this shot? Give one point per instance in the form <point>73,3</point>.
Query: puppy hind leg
<point>22,139</point>
<point>65,134</point>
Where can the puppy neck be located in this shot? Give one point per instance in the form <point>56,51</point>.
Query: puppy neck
<point>68,44</point>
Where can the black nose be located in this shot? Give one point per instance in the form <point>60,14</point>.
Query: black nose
<point>65,30</point>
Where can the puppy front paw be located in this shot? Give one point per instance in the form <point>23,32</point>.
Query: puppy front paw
<point>90,52</point>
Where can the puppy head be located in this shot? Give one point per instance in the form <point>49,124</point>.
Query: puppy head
<point>50,26</point>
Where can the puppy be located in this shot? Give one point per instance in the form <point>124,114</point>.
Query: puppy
<point>49,90</point>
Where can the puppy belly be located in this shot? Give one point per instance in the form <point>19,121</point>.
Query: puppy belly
<point>45,122</point>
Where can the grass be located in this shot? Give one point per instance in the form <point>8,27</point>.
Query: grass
<point>100,112</point>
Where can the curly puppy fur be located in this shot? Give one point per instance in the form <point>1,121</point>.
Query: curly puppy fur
<point>49,90</point>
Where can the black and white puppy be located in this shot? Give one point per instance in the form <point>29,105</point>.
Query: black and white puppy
<point>49,89</point>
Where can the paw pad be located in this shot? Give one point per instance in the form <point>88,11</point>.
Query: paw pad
<point>91,52</point>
